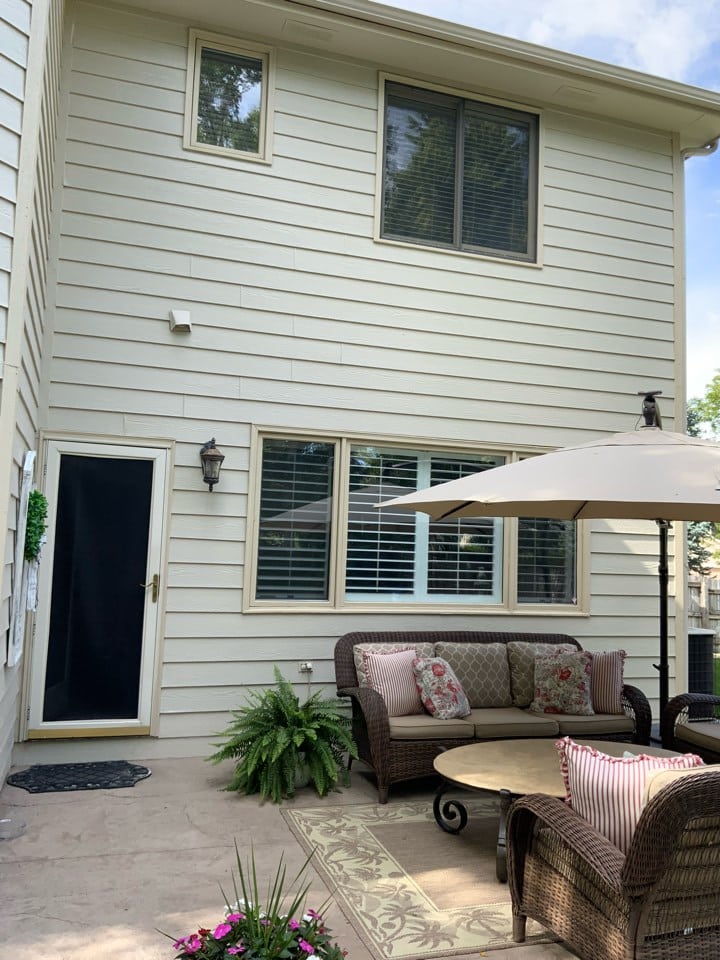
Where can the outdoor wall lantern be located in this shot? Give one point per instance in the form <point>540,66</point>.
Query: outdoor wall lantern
<point>211,459</point>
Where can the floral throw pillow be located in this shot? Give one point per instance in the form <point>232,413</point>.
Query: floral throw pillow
<point>562,684</point>
<point>440,690</point>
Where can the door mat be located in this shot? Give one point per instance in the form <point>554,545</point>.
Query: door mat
<point>98,775</point>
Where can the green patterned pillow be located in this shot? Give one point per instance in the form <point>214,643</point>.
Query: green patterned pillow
<point>482,669</point>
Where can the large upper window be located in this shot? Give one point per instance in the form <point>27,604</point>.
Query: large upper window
<point>227,97</point>
<point>459,173</point>
<point>320,537</point>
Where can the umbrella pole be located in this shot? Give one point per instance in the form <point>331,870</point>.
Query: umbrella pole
<point>663,667</point>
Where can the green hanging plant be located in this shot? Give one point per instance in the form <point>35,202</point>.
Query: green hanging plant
<point>36,524</point>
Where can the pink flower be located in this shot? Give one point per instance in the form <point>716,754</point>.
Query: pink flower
<point>307,947</point>
<point>181,942</point>
<point>236,949</point>
<point>234,917</point>
<point>438,670</point>
<point>313,915</point>
<point>193,944</point>
<point>294,924</point>
<point>222,930</point>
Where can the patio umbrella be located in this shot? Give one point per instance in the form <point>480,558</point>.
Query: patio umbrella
<point>647,473</point>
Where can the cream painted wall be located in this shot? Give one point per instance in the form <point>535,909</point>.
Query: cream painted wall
<point>302,320</point>
<point>31,36</point>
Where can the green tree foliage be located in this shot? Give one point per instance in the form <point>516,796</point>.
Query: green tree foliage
<point>228,101</point>
<point>707,407</point>
<point>703,416</point>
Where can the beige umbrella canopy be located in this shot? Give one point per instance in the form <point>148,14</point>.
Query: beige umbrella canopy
<point>647,474</point>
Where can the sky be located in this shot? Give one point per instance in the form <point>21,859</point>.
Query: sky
<point>675,39</point>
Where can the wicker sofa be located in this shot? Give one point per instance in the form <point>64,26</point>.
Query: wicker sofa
<point>403,747</point>
<point>691,723</point>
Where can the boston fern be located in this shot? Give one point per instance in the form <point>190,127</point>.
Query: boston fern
<point>275,739</point>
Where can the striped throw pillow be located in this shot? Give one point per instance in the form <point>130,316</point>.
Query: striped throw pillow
<point>606,681</point>
<point>391,675</point>
<point>609,792</point>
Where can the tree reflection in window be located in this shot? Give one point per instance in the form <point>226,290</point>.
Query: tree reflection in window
<point>229,100</point>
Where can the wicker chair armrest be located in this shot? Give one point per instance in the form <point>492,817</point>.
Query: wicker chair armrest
<point>373,709</point>
<point>541,810</point>
<point>701,706</point>
<point>637,705</point>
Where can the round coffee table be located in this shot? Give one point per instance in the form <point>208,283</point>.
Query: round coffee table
<point>511,768</point>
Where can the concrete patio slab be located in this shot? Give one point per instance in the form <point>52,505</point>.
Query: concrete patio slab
<point>96,874</point>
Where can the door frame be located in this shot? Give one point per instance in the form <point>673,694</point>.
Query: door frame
<point>52,447</point>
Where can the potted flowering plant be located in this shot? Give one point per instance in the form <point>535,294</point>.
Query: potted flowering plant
<point>280,927</point>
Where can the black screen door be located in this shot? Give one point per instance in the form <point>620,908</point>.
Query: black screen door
<point>100,559</point>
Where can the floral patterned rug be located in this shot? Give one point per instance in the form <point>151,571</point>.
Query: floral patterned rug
<point>410,890</point>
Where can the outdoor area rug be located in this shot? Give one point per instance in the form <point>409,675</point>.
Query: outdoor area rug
<point>99,775</point>
<point>410,890</point>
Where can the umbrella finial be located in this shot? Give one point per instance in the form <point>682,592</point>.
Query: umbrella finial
<point>650,409</point>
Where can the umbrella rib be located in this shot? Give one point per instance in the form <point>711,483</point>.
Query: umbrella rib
<point>579,510</point>
<point>449,513</point>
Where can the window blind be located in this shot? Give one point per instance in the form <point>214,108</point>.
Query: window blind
<point>546,561</point>
<point>296,508</point>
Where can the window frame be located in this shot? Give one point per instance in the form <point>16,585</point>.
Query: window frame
<point>533,255</point>
<point>201,39</point>
<point>336,601</point>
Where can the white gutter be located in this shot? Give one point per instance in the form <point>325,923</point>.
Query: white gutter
<point>704,151</point>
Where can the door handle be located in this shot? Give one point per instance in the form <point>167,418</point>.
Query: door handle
<point>154,583</point>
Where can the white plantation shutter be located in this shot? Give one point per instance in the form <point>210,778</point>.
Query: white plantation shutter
<point>403,555</point>
<point>546,570</point>
<point>393,556</point>
<point>296,509</point>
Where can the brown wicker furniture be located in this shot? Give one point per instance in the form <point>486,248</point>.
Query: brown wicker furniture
<point>404,748</point>
<point>660,902</point>
<point>513,768</point>
<point>691,723</point>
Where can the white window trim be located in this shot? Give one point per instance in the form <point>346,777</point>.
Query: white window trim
<point>383,79</point>
<point>336,602</point>
<point>197,39</point>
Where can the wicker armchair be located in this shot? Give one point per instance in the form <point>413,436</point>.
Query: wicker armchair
<point>690,723</point>
<point>660,902</point>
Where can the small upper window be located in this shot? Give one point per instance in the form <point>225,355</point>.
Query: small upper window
<point>227,97</point>
<point>459,173</point>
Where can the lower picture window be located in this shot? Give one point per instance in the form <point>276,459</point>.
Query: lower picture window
<point>318,502</point>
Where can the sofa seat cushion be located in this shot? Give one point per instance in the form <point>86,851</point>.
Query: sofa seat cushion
<point>598,723</point>
<point>507,723</point>
<point>704,733</point>
<point>424,727</point>
<point>482,669</point>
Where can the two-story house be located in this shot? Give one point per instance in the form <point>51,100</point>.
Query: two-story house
<point>365,251</point>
